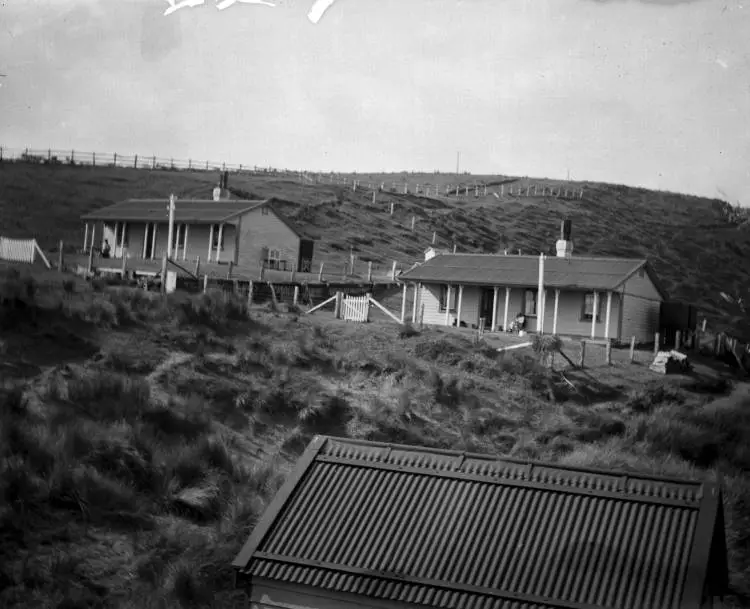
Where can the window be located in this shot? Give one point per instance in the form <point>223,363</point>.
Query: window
<point>122,234</point>
<point>264,211</point>
<point>274,259</point>
<point>529,303</point>
<point>444,298</point>
<point>588,308</point>
<point>216,244</point>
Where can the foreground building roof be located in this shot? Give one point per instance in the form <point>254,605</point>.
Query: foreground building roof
<point>575,272</point>
<point>447,529</point>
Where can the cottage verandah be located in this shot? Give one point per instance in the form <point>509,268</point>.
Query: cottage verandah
<point>524,300</point>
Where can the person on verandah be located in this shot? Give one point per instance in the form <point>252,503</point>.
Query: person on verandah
<point>106,249</point>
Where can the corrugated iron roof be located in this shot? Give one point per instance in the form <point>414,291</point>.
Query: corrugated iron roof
<point>449,529</point>
<point>576,272</point>
<point>186,210</point>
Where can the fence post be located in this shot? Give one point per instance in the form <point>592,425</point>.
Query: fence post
<point>91,258</point>
<point>657,343</point>
<point>124,262</point>
<point>393,271</point>
<point>229,270</point>
<point>608,352</point>
<point>582,357</point>
<point>171,163</point>
<point>1,154</point>
<point>632,349</point>
<point>337,308</point>
<point>677,339</point>
<point>249,293</point>
<point>391,208</point>
<point>135,162</point>
<point>114,159</point>
<point>413,220</point>
<point>60,257</point>
<point>153,163</point>
<point>164,274</point>
<point>197,265</point>
<point>369,272</point>
<point>320,272</point>
<point>434,237</point>
<point>93,159</point>
<point>49,154</point>
<point>205,283</point>
<point>296,295</point>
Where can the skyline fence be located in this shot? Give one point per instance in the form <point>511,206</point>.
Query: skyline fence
<point>461,189</point>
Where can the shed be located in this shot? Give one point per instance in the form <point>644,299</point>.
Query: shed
<point>367,524</point>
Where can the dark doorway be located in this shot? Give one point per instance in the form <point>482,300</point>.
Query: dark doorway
<point>485,305</point>
<point>150,229</point>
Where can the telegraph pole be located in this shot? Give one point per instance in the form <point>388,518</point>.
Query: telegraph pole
<point>458,159</point>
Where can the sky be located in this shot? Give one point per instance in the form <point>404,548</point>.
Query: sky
<point>651,93</point>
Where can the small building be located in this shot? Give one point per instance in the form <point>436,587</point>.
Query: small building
<point>461,289</point>
<point>367,524</point>
<point>246,232</point>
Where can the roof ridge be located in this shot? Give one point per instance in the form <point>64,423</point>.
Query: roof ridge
<point>531,463</point>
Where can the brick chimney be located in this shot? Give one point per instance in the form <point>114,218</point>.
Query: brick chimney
<point>564,244</point>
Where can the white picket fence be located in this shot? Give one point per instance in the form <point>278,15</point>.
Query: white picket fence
<point>21,250</point>
<point>356,308</point>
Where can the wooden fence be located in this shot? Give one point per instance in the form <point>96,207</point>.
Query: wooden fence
<point>500,188</point>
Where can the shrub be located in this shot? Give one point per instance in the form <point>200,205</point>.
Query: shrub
<point>645,400</point>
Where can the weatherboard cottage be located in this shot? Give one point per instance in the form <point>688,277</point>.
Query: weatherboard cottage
<point>248,233</point>
<point>601,298</point>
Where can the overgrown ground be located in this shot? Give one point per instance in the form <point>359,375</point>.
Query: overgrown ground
<point>141,437</point>
<point>694,248</point>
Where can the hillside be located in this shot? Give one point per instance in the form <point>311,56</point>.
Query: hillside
<point>695,249</point>
<point>142,437</point>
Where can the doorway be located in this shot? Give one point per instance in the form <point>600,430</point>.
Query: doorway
<point>486,302</point>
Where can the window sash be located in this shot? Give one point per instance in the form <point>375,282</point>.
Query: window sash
<point>444,295</point>
<point>587,308</point>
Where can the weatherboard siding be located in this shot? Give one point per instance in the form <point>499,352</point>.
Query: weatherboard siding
<point>258,231</point>
<point>641,308</point>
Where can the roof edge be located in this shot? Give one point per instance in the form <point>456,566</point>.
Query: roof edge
<point>279,502</point>
<point>700,548</point>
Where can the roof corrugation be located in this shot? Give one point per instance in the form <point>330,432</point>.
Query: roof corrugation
<point>497,269</point>
<point>186,210</point>
<point>449,529</point>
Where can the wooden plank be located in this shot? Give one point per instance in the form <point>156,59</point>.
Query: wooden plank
<point>384,310</point>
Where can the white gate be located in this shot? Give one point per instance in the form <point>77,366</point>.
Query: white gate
<point>356,308</point>
<point>21,250</point>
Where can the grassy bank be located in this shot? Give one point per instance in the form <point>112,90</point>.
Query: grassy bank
<point>143,436</point>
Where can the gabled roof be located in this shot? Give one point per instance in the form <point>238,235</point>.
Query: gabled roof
<point>576,272</point>
<point>449,529</point>
<point>198,211</point>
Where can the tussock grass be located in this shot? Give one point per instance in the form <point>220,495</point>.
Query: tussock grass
<point>169,443</point>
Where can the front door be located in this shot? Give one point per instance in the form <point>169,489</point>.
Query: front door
<point>485,305</point>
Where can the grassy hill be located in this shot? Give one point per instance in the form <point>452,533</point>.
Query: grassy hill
<point>694,247</point>
<point>141,437</point>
